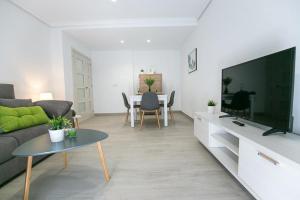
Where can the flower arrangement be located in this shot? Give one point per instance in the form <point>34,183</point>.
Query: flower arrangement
<point>149,82</point>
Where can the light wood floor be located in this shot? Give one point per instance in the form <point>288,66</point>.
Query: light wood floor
<point>147,164</point>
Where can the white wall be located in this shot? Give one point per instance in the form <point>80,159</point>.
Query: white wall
<point>231,32</point>
<point>34,57</point>
<point>115,72</point>
<point>24,52</point>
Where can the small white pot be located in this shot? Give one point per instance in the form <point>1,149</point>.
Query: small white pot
<point>57,135</point>
<point>211,109</point>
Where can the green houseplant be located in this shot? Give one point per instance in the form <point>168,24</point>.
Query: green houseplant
<point>211,104</point>
<point>149,82</point>
<point>56,128</point>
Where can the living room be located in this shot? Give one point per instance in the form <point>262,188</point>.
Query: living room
<point>49,47</point>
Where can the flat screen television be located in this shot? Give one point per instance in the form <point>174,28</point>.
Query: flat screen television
<point>261,90</point>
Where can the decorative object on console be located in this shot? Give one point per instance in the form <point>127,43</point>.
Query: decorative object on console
<point>56,128</point>
<point>211,106</point>
<point>46,96</point>
<point>149,82</point>
<point>192,61</point>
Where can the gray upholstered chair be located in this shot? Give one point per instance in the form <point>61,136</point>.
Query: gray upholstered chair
<point>150,103</point>
<point>127,105</point>
<point>170,104</point>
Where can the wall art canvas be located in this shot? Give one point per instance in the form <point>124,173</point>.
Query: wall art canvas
<point>192,61</point>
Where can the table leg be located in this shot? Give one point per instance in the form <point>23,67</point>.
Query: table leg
<point>77,123</point>
<point>103,162</point>
<point>131,113</point>
<point>166,112</point>
<point>27,179</point>
<point>66,159</point>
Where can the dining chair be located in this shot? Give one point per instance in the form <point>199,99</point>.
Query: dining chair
<point>150,104</point>
<point>170,104</point>
<point>127,105</point>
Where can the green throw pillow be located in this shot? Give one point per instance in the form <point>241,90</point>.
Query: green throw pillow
<point>12,119</point>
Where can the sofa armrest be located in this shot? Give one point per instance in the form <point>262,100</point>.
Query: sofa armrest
<point>55,108</point>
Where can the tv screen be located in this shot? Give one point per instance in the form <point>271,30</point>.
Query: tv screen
<point>261,90</point>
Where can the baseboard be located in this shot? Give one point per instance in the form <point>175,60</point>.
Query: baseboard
<point>187,116</point>
<point>108,114</point>
<point>123,113</point>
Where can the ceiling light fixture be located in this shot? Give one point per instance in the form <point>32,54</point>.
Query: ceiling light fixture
<point>122,41</point>
<point>148,41</point>
<point>114,1</point>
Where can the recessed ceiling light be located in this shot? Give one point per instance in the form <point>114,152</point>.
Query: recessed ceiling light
<point>148,41</point>
<point>114,0</point>
<point>122,41</point>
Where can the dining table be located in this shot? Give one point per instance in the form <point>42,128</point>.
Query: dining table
<point>136,99</point>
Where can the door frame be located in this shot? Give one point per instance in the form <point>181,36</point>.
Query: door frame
<point>77,54</point>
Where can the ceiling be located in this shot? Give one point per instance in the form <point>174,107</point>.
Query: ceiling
<point>101,24</point>
<point>134,38</point>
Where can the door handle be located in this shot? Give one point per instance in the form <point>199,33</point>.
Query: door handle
<point>268,158</point>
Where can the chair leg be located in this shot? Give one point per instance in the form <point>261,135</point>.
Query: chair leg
<point>157,117</point>
<point>142,119</point>
<point>140,114</point>
<point>171,113</point>
<point>127,114</point>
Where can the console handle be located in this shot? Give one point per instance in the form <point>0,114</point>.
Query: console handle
<point>268,158</point>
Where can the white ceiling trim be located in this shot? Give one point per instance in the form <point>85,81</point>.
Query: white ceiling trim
<point>30,13</point>
<point>122,23</point>
<point>130,23</point>
<point>207,4</point>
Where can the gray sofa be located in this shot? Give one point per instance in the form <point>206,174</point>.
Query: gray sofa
<point>11,166</point>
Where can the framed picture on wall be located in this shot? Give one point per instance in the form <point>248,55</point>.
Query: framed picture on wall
<point>192,61</point>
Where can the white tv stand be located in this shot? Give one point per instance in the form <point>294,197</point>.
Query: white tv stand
<point>267,166</point>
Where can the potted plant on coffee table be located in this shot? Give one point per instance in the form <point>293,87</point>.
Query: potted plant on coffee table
<point>211,105</point>
<point>149,82</point>
<point>57,126</point>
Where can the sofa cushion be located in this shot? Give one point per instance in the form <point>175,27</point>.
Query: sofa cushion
<point>7,91</point>
<point>13,103</point>
<point>55,107</point>
<point>12,119</point>
<point>7,146</point>
<point>26,134</point>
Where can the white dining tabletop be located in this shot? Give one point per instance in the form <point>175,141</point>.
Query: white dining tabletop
<point>134,99</point>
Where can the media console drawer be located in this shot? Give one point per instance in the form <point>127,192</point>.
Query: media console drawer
<point>266,174</point>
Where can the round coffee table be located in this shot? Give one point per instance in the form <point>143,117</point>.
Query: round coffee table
<point>42,145</point>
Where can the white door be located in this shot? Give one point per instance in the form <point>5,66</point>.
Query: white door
<point>83,88</point>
